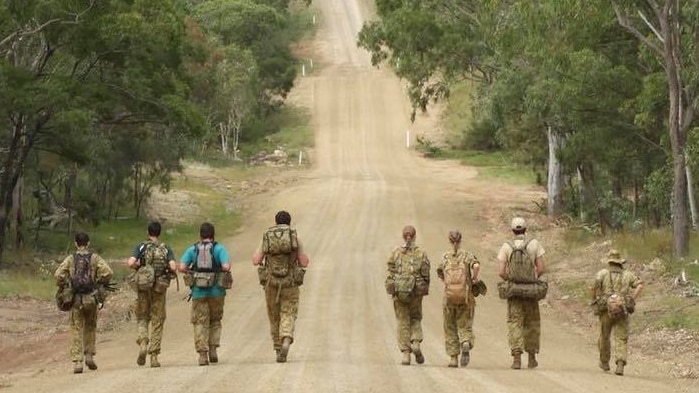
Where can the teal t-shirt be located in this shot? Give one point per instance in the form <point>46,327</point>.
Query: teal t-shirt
<point>220,257</point>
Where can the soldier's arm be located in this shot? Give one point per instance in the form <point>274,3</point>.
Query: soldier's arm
<point>62,274</point>
<point>186,259</point>
<point>301,256</point>
<point>171,263</point>
<point>426,267</point>
<point>258,256</point>
<point>104,271</point>
<point>502,259</point>
<point>539,263</point>
<point>475,269</point>
<point>223,257</point>
<point>132,261</point>
<point>391,264</point>
<point>440,268</point>
<point>637,286</point>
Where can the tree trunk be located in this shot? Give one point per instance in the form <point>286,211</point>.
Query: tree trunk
<point>554,203</point>
<point>16,216</point>
<point>680,227</point>
<point>690,195</point>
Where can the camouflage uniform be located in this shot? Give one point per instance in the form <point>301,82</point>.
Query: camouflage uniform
<point>282,299</point>
<point>83,315</point>
<point>523,318</point>
<point>282,310</point>
<point>409,314</point>
<point>206,317</point>
<point>458,318</point>
<point>150,308</point>
<point>614,279</point>
<point>207,304</point>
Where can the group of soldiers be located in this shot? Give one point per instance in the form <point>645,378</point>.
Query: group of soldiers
<point>281,264</point>
<point>522,283</point>
<point>205,267</point>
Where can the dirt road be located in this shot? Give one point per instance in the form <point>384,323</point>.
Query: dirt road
<point>349,210</point>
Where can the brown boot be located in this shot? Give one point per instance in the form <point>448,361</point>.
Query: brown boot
<point>406,358</point>
<point>204,358</point>
<point>516,361</point>
<point>142,352</point>
<point>90,362</point>
<point>454,362</point>
<point>154,360</point>
<point>604,366</point>
<point>213,355</point>
<point>465,354</point>
<point>619,367</point>
<point>77,367</point>
<point>419,357</point>
<point>284,351</point>
<point>531,362</point>
<point>279,356</point>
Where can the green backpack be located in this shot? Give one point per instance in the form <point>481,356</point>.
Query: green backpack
<point>154,264</point>
<point>520,267</point>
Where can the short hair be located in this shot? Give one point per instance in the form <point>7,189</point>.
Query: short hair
<point>520,231</point>
<point>409,229</point>
<point>154,229</point>
<point>282,217</point>
<point>81,239</point>
<point>207,231</point>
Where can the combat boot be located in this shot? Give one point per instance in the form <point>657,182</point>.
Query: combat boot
<point>284,351</point>
<point>419,358</point>
<point>406,358</point>
<point>203,358</point>
<point>154,360</point>
<point>142,352</point>
<point>90,362</point>
<point>619,367</point>
<point>465,354</point>
<point>531,362</point>
<point>213,355</point>
<point>604,366</point>
<point>454,361</point>
<point>280,359</point>
<point>516,361</point>
<point>77,367</point>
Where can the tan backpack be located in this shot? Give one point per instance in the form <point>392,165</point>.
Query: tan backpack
<point>457,278</point>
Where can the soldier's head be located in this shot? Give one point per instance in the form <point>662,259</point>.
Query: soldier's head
<point>207,231</point>
<point>409,234</point>
<point>614,258</point>
<point>154,228</point>
<point>282,218</point>
<point>81,239</point>
<point>454,237</point>
<point>518,225</point>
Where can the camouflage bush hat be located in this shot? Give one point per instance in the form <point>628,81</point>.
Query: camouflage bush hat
<point>518,223</point>
<point>614,256</point>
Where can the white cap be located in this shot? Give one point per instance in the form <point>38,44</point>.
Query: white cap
<point>518,223</point>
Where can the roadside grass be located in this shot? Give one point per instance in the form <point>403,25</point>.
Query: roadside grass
<point>494,165</point>
<point>667,305</point>
<point>32,274</point>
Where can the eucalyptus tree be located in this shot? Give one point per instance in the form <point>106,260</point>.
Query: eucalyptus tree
<point>669,32</point>
<point>78,68</point>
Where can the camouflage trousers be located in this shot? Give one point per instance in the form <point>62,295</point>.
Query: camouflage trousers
<point>282,310</point>
<point>408,321</point>
<point>619,328</point>
<point>458,326</point>
<point>83,328</point>
<point>150,317</point>
<point>523,325</point>
<point>206,317</point>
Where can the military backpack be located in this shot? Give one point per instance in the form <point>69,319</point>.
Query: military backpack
<point>456,278</point>
<point>520,266</point>
<point>81,278</point>
<point>279,243</point>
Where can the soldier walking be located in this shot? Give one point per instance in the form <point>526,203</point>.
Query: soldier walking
<point>85,274</point>
<point>523,318</point>
<point>408,281</point>
<point>459,271</point>
<point>207,268</point>
<point>281,264</point>
<point>154,265</point>
<point>614,293</point>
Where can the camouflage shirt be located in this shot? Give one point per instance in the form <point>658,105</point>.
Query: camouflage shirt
<point>100,270</point>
